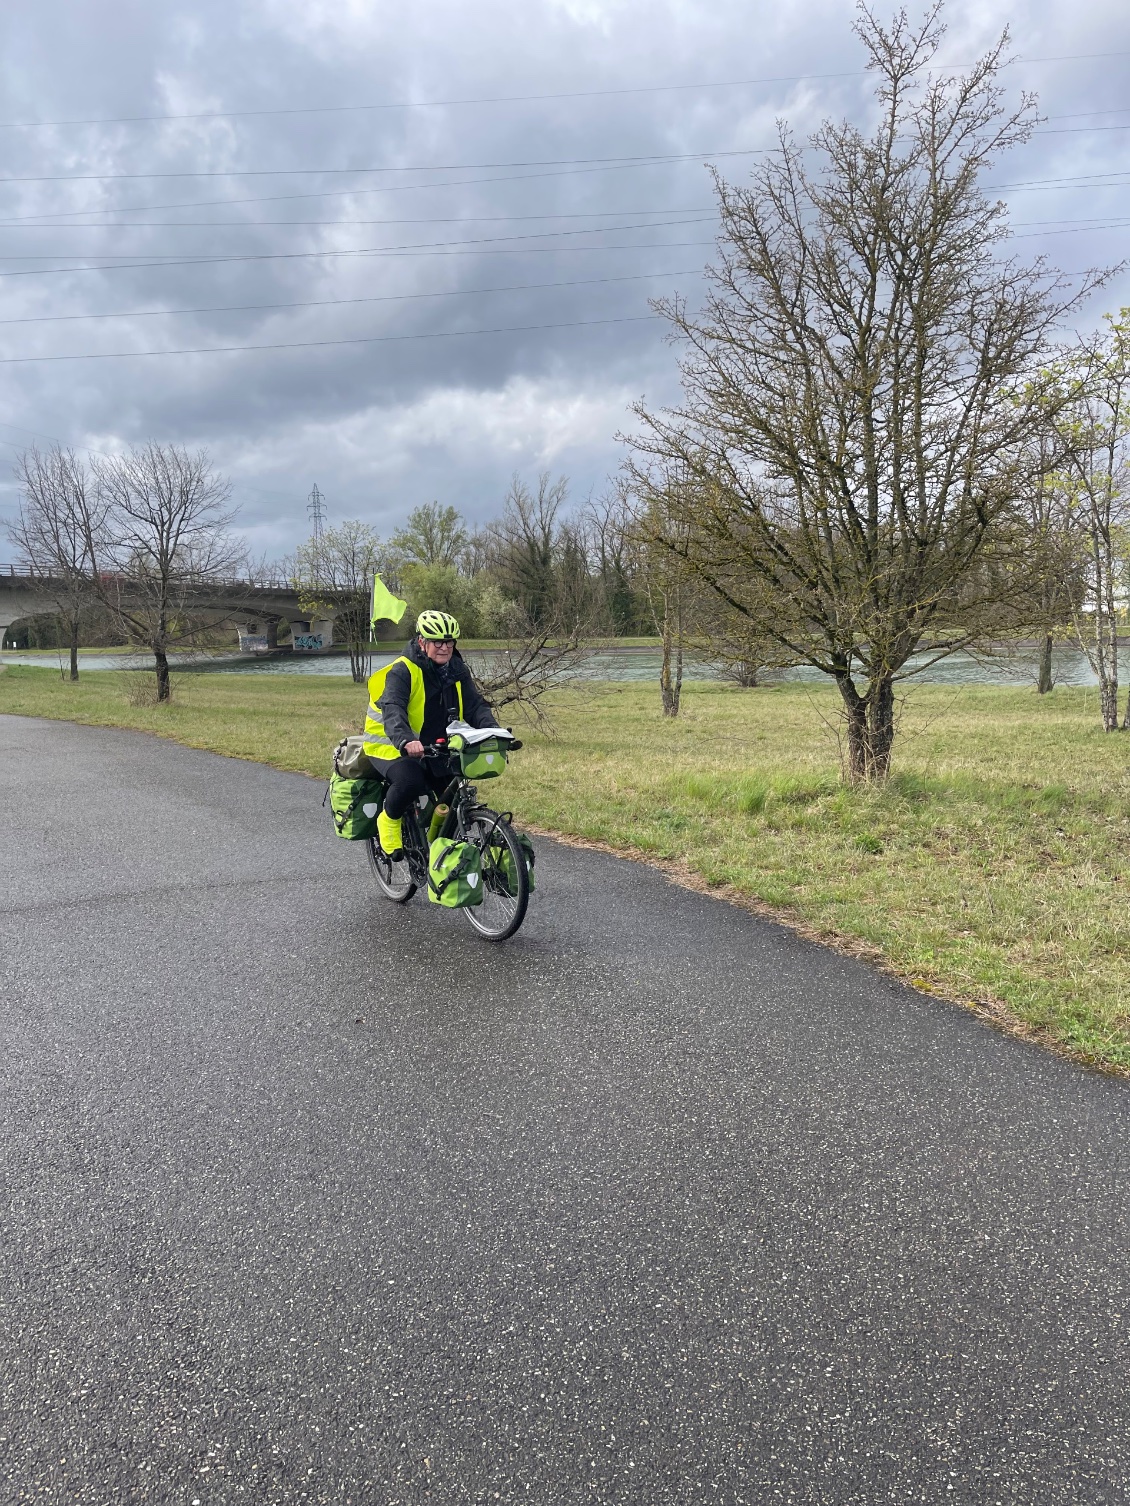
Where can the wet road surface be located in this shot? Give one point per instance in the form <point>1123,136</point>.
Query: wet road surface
<point>308,1198</point>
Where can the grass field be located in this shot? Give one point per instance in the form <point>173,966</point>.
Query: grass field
<point>993,868</point>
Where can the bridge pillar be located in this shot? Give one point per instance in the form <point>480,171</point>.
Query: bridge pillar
<point>310,637</point>
<point>19,598</point>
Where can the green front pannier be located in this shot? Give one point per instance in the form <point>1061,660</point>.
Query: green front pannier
<point>355,803</point>
<point>455,873</point>
<point>480,760</point>
<point>505,863</point>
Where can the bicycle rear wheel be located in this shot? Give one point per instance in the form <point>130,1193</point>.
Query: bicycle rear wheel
<point>506,884</point>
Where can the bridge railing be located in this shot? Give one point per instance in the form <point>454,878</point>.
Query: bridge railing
<point>223,583</point>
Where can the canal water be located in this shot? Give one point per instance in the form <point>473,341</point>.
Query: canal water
<point>626,665</point>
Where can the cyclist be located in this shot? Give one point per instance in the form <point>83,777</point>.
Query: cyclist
<point>411,702</point>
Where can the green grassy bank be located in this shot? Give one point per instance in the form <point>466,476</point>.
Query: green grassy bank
<point>993,868</point>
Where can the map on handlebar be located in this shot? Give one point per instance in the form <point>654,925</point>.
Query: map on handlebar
<point>472,735</point>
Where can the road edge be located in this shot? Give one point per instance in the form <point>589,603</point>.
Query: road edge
<point>989,1010</point>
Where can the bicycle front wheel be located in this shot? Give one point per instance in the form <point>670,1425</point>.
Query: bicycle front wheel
<point>506,884</point>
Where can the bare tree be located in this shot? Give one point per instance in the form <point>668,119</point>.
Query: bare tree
<point>610,528</point>
<point>857,397</point>
<point>1093,420</point>
<point>525,547</point>
<point>539,659</point>
<point>736,643</point>
<point>61,517</point>
<point>167,536</point>
<point>333,575</point>
<point>1050,558</point>
<point>661,546</point>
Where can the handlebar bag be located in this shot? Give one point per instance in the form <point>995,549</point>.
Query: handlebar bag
<point>455,874</point>
<point>355,803</point>
<point>485,758</point>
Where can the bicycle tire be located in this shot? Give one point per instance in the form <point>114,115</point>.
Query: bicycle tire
<point>500,912</point>
<point>394,878</point>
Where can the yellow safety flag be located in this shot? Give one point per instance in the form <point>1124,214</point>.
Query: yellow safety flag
<point>385,604</point>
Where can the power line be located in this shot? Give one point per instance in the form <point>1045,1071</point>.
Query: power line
<point>425,249</point>
<point>1055,185</point>
<point>1100,224</point>
<point>352,193</point>
<point>427,219</point>
<point>419,248</point>
<point>432,104</point>
<point>348,193</point>
<point>1072,230</point>
<point>497,99</point>
<point>485,240</point>
<point>240,308</point>
<point>442,167</point>
<point>447,334</point>
<point>497,247</point>
<point>1077,130</point>
<point>363,339</point>
<point>704,214</point>
<point>1047,227</point>
<point>621,159</point>
<point>1072,180</point>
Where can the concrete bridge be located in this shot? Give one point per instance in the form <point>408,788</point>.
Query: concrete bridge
<point>256,605</point>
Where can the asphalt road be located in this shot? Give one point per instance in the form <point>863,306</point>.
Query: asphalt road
<point>308,1198</point>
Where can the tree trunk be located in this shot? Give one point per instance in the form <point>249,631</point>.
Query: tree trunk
<point>1108,673</point>
<point>870,728</point>
<point>358,661</point>
<point>671,686</point>
<point>164,689</point>
<point>1108,702</point>
<point>74,648</point>
<point>1045,683</point>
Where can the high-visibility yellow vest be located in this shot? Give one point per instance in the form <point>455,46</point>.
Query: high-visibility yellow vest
<point>377,744</point>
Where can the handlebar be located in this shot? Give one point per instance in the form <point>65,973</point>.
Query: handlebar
<point>435,750</point>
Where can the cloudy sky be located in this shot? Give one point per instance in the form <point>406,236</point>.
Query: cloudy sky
<point>444,220</point>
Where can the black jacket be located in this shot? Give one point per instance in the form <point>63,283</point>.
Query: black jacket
<point>440,703</point>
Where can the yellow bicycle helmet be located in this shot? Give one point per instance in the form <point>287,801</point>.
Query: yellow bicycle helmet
<point>435,626</point>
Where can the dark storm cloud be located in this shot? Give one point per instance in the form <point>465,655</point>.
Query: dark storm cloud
<point>382,426</point>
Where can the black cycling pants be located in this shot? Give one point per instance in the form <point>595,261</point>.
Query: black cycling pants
<point>409,778</point>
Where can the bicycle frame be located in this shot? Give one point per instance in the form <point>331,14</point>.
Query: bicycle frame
<point>460,796</point>
<point>503,866</point>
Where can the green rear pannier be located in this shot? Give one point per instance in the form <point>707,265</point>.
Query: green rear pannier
<point>501,856</point>
<point>455,874</point>
<point>480,760</point>
<point>355,803</point>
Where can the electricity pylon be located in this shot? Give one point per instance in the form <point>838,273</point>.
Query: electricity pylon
<point>316,508</point>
